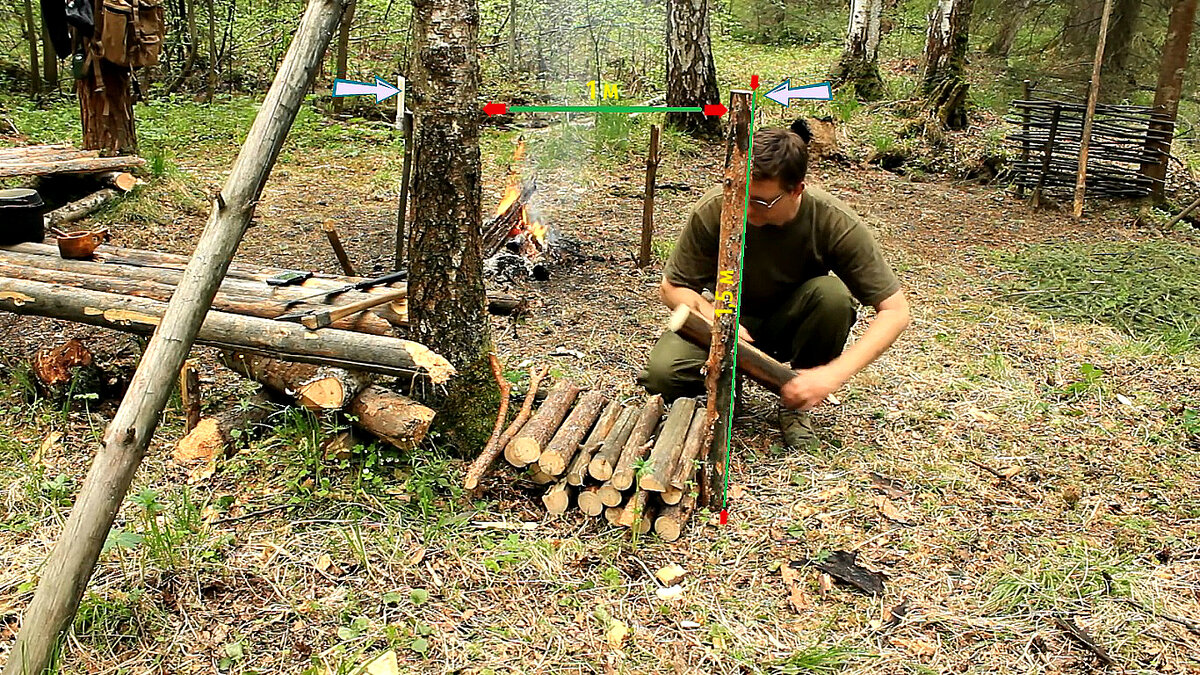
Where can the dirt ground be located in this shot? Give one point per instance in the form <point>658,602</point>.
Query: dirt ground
<point>992,503</point>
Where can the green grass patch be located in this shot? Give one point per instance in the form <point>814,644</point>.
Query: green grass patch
<point>1146,289</point>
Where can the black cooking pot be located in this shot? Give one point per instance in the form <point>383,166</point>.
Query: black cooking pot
<point>20,216</point>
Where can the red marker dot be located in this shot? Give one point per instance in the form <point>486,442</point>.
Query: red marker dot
<point>754,82</point>
<point>724,516</point>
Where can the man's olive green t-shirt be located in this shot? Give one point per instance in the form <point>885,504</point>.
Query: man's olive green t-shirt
<point>825,236</point>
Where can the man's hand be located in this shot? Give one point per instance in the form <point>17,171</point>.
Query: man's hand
<point>809,387</point>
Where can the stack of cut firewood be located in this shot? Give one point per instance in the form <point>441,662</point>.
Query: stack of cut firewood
<point>635,465</point>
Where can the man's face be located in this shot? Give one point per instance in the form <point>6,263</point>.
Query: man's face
<point>770,204</point>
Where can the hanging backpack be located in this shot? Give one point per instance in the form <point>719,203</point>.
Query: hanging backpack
<point>131,32</point>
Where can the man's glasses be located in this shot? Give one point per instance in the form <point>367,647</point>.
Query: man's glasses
<point>765,206</point>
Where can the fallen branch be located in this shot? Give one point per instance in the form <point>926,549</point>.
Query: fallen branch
<point>78,209</point>
<point>486,458</point>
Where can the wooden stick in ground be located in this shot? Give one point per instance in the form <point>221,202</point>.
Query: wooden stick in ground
<point>589,501</point>
<point>527,446</point>
<point>189,395</point>
<point>558,498</point>
<point>604,461</point>
<point>751,361</point>
<point>336,243</point>
<point>638,513</point>
<point>579,466</point>
<point>1089,117</point>
<point>78,209</point>
<point>648,199</point>
<point>685,470</point>
<point>638,444</point>
<point>664,457</point>
<point>565,444</point>
<point>484,462</point>
<point>65,575</point>
<point>672,519</point>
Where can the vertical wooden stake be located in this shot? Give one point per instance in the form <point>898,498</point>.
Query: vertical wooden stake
<point>405,179</point>
<point>718,380</point>
<point>338,250</point>
<point>1047,154</point>
<point>189,395</point>
<point>1026,94</point>
<point>648,199</point>
<point>65,575</point>
<point>1093,94</point>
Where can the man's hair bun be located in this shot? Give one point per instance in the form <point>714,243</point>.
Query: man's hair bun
<point>800,128</point>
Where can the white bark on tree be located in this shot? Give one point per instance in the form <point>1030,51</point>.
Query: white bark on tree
<point>859,65</point>
<point>691,71</point>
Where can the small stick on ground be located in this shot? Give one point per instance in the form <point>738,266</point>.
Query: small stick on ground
<point>493,449</point>
<point>338,250</point>
<point>189,395</point>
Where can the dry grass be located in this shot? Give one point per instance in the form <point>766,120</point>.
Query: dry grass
<point>1097,517</point>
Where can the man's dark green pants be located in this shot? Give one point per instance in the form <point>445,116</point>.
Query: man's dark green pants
<point>808,330</point>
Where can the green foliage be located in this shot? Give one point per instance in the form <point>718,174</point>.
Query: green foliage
<point>817,659</point>
<point>1148,289</point>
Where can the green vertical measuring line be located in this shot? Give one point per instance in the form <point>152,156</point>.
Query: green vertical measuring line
<point>737,314</point>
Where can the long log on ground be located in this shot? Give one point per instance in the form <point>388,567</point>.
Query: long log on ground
<point>482,463</point>
<point>213,436</point>
<point>719,368</point>
<point>36,156</point>
<point>388,415</point>
<point>589,501</point>
<point>755,363</point>
<point>15,153</point>
<point>664,457</point>
<point>79,165</point>
<point>79,209</point>
<point>565,444</point>
<point>527,446</point>
<point>577,472</point>
<point>605,459</point>
<point>290,341</point>
<point>232,297</point>
<point>685,470</point>
<point>638,513</point>
<point>638,444</point>
<point>558,498</point>
<point>65,575</point>
<point>314,387</point>
<point>672,519</point>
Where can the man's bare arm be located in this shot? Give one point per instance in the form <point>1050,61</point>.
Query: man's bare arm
<point>891,318</point>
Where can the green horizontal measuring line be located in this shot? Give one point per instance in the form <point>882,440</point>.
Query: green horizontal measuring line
<point>602,108</point>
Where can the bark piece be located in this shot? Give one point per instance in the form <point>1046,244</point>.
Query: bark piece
<point>564,446</point>
<point>664,457</point>
<point>604,461</point>
<point>578,470</point>
<point>56,366</point>
<point>638,444</point>
<point>527,446</point>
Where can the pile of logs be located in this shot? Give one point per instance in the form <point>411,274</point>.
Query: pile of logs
<point>45,160</point>
<point>635,465</point>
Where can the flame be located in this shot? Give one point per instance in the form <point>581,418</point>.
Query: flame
<point>510,195</point>
<point>519,153</point>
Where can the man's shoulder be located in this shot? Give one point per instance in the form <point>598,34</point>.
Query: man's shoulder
<point>708,207</point>
<point>829,209</point>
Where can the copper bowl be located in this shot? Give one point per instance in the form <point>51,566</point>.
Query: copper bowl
<point>80,244</point>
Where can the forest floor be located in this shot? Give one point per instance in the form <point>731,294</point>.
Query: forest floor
<point>1001,466</point>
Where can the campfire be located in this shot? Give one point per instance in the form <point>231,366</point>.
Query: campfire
<point>516,239</point>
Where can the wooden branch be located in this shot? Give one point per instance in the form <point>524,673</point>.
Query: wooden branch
<point>664,457</point>
<point>338,250</point>
<point>604,461</point>
<point>486,458</point>
<point>638,444</point>
<point>685,469</point>
<point>527,446</point>
<point>189,395</point>
<point>565,443</point>
<point>578,470</point>
<point>1089,117</point>
<point>751,361</point>
<point>355,351</point>
<point>78,209</point>
<point>648,198</point>
<point>671,520</point>
<point>638,513</point>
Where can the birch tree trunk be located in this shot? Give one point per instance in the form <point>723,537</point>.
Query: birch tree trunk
<point>942,80</point>
<point>446,300</point>
<point>691,71</point>
<point>859,65</point>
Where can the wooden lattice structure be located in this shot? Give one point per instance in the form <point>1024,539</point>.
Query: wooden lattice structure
<point>1047,133</point>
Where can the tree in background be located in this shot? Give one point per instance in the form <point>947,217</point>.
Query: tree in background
<point>343,48</point>
<point>1116,77</point>
<point>691,71</point>
<point>859,65</point>
<point>942,77</point>
<point>1013,16</point>
<point>31,35</point>
<point>1170,81</point>
<point>446,300</point>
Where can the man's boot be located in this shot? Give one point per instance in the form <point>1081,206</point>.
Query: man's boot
<point>799,432</point>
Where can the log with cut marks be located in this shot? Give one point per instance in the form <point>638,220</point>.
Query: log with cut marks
<point>638,513</point>
<point>527,446</point>
<point>314,387</point>
<point>638,444</point>
<point>558,498</point>
<point>672,519</point>
<point>578,470</point>
<point>589,501</point>
<point>605,460</point>
<point>757,364</point>
<point>660,466</point>
<point>565,443</point>
<point>685,470</point>
<point>213,436</point>
<point>609,495</point>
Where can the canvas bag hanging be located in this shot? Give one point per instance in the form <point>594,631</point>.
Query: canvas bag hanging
<point>131,32</point>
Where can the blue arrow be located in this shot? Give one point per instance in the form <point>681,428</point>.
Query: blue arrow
<point>381,90</point>
<point>783,92</point>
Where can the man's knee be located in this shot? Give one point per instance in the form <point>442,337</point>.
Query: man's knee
<point>828,296</point>
<point>673,368</point>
